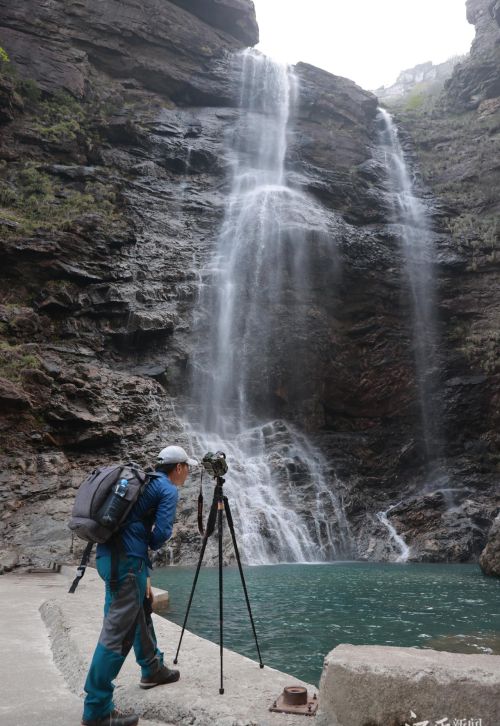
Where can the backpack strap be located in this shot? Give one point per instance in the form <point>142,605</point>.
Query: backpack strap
<point>80,571</point>
<point>116,547</point>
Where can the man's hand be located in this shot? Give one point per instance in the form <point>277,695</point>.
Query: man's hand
<point>149,591</point>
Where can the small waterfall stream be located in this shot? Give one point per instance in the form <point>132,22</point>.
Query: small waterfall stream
<point>404,550</point>
<point>414,229</point>
<point>282,494</point>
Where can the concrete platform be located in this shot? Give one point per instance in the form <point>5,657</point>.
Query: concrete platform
<point>47,640</point>
<point>385,686</point>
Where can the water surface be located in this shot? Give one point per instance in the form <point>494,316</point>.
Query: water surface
<point>303,611</point>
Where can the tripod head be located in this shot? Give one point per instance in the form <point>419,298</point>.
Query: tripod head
<point>215,464</point>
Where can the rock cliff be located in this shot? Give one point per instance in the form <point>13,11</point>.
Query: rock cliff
<point>113,179</point>
<point>101,104</point>
<point>113,184</point>
<point>454,141</point>
<point>478,77</point>
<point>423,76</point>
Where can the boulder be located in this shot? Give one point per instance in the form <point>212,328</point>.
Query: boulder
<point>385,686</point>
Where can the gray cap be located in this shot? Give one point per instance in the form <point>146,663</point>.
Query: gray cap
<point>175,455</point>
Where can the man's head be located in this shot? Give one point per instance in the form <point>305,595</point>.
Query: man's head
<point>174,462</point>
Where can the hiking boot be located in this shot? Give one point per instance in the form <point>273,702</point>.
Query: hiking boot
<point>162,676</point>
<point>115,718</point>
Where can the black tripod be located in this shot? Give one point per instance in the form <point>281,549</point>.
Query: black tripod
<point>219,505</point>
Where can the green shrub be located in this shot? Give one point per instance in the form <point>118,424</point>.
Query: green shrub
<point>29,90</point>
<point>59,118</point>
<point>415,100</point>
<point>474,232</point>
<point>13,360</point>
<point>36,200</point>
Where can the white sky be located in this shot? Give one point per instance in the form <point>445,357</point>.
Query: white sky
<point>369,41</point>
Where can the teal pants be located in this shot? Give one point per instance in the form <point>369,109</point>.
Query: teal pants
<point>125,625</point>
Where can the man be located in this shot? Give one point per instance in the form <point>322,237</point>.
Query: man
<point>125,624</point>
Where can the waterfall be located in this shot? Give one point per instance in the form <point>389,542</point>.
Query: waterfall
<point>251,329</point>
<point>404,550</point>
<point>414,228</point>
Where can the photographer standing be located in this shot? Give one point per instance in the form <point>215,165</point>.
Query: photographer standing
<point>149,525</point>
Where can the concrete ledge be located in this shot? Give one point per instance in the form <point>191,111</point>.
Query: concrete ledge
<point>382,686</point>
<point>360,685</point>
<point>74,622</point>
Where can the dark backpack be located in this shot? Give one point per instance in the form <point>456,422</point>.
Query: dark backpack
<point>93,498</point>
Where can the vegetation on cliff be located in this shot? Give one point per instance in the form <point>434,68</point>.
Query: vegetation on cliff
<point>33,196</point>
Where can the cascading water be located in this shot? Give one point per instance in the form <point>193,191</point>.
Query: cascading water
<point>404,550</point>
<point>415,232</point>
<point>252,328</point>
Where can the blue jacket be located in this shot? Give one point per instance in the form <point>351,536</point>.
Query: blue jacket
<point>159,500</point>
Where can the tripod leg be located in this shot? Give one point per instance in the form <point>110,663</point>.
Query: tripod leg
<point>211,518</point>
<point>220,507</point>
<point>236,552</point>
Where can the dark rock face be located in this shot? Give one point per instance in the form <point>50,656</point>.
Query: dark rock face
<point>99,276</point>
<point>110,207</point>
<point>237,17</point>
<point>99,269</point>
<point>331,107</point>
<point>155,45</point>
<point>478,77</point>
<point>455,155</point>
<point>490,556</point>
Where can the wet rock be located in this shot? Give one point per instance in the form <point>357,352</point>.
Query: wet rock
<point>73,172</point>
<point>490,556</point>
<point>36,247</point>
<point>152,371</point>
<point>8,560</point>
<point>20,321</point>
<point>445,525</point>
<point>59,302</point>
<point>12,397</point>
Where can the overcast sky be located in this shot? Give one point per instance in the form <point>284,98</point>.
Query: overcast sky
<point>369,41</point>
